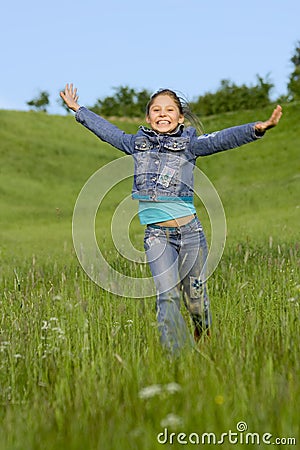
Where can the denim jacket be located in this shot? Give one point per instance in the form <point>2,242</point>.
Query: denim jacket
<point>164,163</point>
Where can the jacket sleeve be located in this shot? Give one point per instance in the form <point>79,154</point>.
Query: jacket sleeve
<point>105,130</point>
<point>219,141</point>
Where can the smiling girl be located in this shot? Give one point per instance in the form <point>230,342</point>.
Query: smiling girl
<point>164,158</point>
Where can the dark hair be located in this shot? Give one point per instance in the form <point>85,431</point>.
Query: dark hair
<point>183,106</point>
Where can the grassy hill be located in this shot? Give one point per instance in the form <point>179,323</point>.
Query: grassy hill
<point>81,367</point>
<point>45,161</point>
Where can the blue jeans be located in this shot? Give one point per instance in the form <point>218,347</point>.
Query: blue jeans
<point>176,257</point>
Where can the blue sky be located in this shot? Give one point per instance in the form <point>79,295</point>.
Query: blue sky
<point>187,45</point>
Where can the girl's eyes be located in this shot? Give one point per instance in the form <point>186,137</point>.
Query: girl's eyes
<point>158,109</point>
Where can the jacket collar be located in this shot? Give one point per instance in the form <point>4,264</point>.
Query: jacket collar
<point>177,132</point>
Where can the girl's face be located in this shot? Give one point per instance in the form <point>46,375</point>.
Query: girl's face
<point>164,115</point>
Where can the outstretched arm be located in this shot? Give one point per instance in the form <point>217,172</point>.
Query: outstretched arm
<point>70,97</point>
<point>261,127</point>
<point>105,130</point>
<point>233,137</point>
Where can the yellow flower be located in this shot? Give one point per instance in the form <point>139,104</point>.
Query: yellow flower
<point>219,399</point>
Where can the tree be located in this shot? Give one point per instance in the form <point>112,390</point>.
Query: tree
<point>41,102</point>
<point>231,97</point>
<point>294,83</point>
<point>126,102</point>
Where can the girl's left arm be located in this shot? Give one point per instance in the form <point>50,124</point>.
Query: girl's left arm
<point>233,137</point>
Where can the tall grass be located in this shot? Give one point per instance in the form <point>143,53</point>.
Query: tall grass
<point>74,358</point>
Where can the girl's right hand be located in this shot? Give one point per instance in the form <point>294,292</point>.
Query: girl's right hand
<point>70,97</point>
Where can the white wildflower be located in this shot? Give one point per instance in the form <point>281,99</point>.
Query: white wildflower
<point>172,421</point>
<point>156,389</point>
<point>129,323</point>
<point>3,345</point>
<point>45,325</point>
<point>172,387</point>
<point>58,329</point>
<point>150,391</point>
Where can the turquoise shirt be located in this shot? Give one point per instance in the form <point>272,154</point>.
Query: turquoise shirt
<point>153,212</point>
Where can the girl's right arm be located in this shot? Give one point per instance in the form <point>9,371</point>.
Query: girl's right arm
<point>105,130</point>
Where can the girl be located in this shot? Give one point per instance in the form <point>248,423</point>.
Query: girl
<point>164,157</point>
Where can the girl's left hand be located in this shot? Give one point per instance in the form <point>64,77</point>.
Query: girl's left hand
<point>272,122</point>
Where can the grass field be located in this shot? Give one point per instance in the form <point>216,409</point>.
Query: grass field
<point>81,368</point>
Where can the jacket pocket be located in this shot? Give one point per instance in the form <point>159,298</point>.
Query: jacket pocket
<point>142,144</point>
<point>177,144</point>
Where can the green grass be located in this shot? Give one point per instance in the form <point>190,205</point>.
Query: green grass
<point>74,358</point>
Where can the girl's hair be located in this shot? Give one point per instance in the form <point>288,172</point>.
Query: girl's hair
<point>183,106</point>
